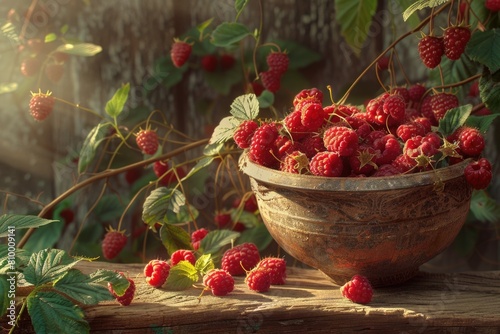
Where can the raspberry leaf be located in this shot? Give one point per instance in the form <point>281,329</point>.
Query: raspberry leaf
<point>48,265</point>
<point>160,202</point>
<point>229,33</point>
<point>217,239</point>
<point>225,130</point>
<point>120,283</point>
<point>453,119</point>
<point>484,47</point>
<point>115,106</point>
<point>245,107</point>
<point>239,5</point>
<point>483,207</point>
<point>82,288</point>
<point>90,145</point>
<point>80,49</point>
<point>181,276</point>
<point>186,214</point>
<point>482,123</point>
<point>174,237</point>
<point>454,71</point>
<point>8,221</point>
<point>419,5</point>
<point>266,99</point>
<point>52,313</point>
<point>489,90</point>
<point>204,264</point>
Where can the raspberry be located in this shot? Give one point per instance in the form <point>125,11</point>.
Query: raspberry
<point>156,272</point>
<point>182,255</point>
<point>262,150</point>
<point>113,243</point>
<point>470,141</point>
<point>165,174</point>
<point>326,164</point>
<point>293,124</point>
<point>285,146</point>
<point>277,62</point>
<point>478,174</point>
<point>389,148</point>
<point>209,63</point>
<point>341,140</point>
<point>271,81</point>
<point>431,50</point>
<point>416,92</point>
<point>408,130</point>
<point>358,290</point>
<point>426,109</point>
<point>383,63</point>
<point>311,145</point>
<point>30,67</point>
<point>312,94</point>
<point>180,52</point>
<point>243,135</point>
<point>227,61</point>
<point>492,5</point>
<point>259,279</point>
<point>375,110</point>
<point>54,72</point>
<point>250,204</point>
<point>386,170</point>
<point>401,91</point>
<point>219,281</point>
<point>425,122</point>
<point>427,145</point>
<point>455,40</point>
<point>197,236</point>
<point>404,163</point>
<point>68,215</point>
<point>41,105</point>
<point>295,162</point>
<point>128,296</point>
<point>474,89</point>
<point>147,141</point>
<point>277,267</point>
<point>312,116</point>
<point>442,102</point>
<point>240,258</point>
<point>257,88</point>
<point>60,57</point>
<point>395,106</point>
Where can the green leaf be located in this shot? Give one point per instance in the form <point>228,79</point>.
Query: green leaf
<point>421,4</point>
<point>45,237</point>
<point>165,73</point>
<point>266,99</point>
<point>9,223</point>
<point>239,5</point>
<point>160,202</point>
<point>204,264</point>
<point>224,130</point>
<point>223,81</point>
<point>259,235</point>
<point>64,29</point>
<point>186,214</point>
<point>454,71</point>
<point>355,18</point>
<point>102,276</point>
<point>109,207</point>
<point>10,31</point>
<point>210,150</point>
<point>466,240</point>
<point>90,145</point>
<point>245,107</point>
<point>453,119</point>
<point>8,87</point>
<point>7,295</point>
<point>114,107</point>
<point>174,237</point>
<point>81,288</point>
<point>299,55</point>
<point>50,37</point>
<point>48,265</point>
<point>484,208</point>
<point>484,47</point>
<point>489,91</point>
<point>204,25</point>
<point>7,263</point>
<point>181,276</point>
<point>80,49</point>
<point>482,123</point>
<point>228,33</point>
<point>248,219</point>
<point>52,313</point>
<point>217,239</point>
<point>413,20</point>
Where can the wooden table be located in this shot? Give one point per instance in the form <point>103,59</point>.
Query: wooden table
<point>430,303</point>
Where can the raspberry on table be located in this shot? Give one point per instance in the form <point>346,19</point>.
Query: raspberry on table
<point>180,52</point>
<point>147,141</point>
<point>341,140</point>
<point>219,281</point>
<point>128,296</point>
<point>113,243</point>
<point>277,268</point>
<point>455,40</point>
<point>197,236</point>
<point>243,135</point>
<point>478,174</point>
<point>326,164</point>
<point>182,255</point>
<point>358,290</point>
<point>431,50</point>
<point>259,279</point>
<point>41,105</point>
<point>156,272</point>
<point>241,258</point>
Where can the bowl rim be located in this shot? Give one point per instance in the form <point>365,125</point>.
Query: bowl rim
<point>312,182</point>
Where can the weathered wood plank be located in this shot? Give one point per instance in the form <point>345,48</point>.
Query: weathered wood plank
<point>454,302</point>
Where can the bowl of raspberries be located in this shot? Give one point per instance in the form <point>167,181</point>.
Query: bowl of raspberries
<point>375,190</point>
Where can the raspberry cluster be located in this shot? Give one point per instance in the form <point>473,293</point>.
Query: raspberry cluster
<point>395,134</point>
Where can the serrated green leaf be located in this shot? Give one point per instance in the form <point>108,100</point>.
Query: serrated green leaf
<point>114,107</point>
<point>217,239</point>
<point>90,145</point>
<point>245,107</point>
<point>50,37</point>
<point>355,18</point>
<point>5,296</point>
<point>259,235</point>
<point>489,91</point>
<point>453,119</point>
<point>22,257</point>
<point>186,214</point>
<point>182,276</point>
<point>412,20</point>
<point>204,264</point>
<point>204,25</point>
<point>211,150</point>
<point>45,236</point>
<point>166,73</point>
<point>119,282</point>
<point>224,130</point>
<point>484,208</point>
<point>482,123</point>
<point>239,5</point>
<point>80,49</point>
<point>421,4</point>
<point>484,47</point>
<point>8,87</point>
<point>174,237</point>
<point>160,202</point>
<point>81,288</point>
<point>52,313</point>
<point>48,265</point>
<point>12,222</point>
<point>266,99</point>
<point>229,33</point>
